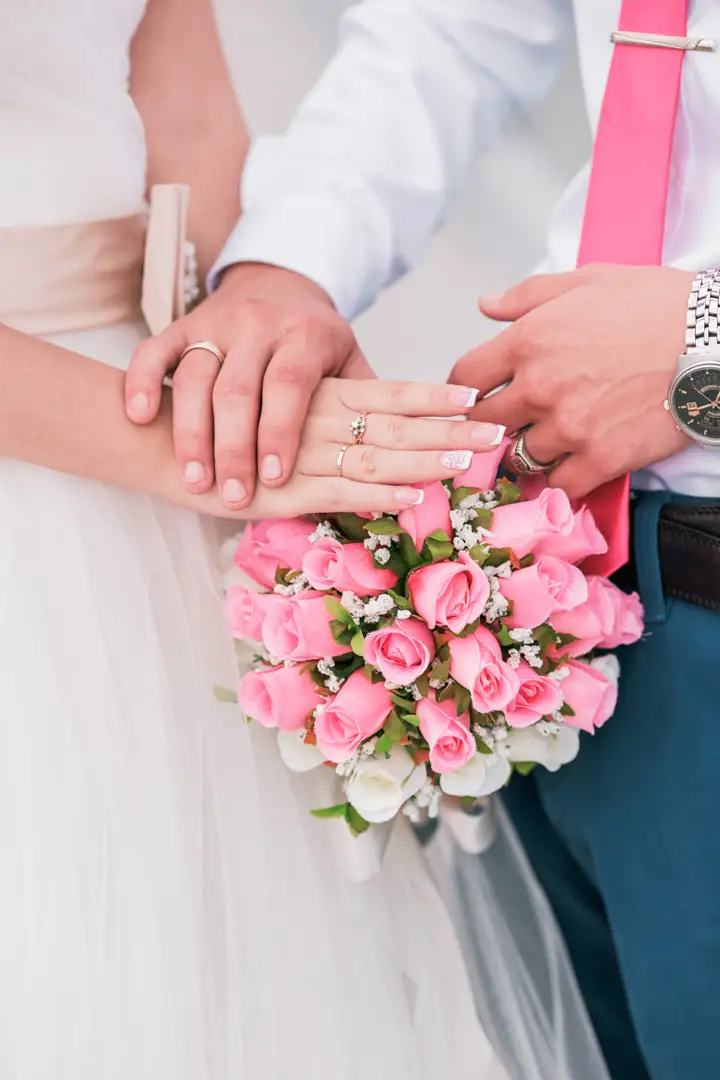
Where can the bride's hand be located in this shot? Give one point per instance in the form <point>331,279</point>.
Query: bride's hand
<point>401,446</point>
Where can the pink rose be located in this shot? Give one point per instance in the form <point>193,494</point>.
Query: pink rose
<point>590,694</point>
<point>629,617</point>
<point>483,471</point>
<point>298,628</point>
<point>282,697</point>
<point>401,652</point>
<point>476,663</point>
<point>536,592</point>
<point>523,526</point>
<point>596,622</point>
<point>538,696</point>
<point>246,611</point>
<point>446,733</point>
<point>267,545</point>
<point>358,711</point>
<point>332,565</point>
<point>452,594</point>
<point>432,514</point>
<point>584,539</point>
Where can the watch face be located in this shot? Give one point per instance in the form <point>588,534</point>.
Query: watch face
<point>695,402</point>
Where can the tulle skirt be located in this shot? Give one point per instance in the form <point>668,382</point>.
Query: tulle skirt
<point>169,909</point>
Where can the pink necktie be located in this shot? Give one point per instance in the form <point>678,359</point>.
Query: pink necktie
<point>625,210</point>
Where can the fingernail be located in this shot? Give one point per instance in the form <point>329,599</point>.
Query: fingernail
<point>487,434</point>
<point>456,459</point>
<point>233,491</point>
<point>492,298</point>
<point>194,472</point>
<point>464,396</point>
<point>271,469</point>
<point>139,404</point>
<point>409,496</point>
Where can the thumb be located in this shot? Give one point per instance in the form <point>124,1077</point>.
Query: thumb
<point>151,361</point>
<point>532,293</point>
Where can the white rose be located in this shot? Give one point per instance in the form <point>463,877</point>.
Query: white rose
<point>381,785</point>
<point>609,666</point>
<point>298,755</point>
<point>483,774</point>
<point>552,751</point>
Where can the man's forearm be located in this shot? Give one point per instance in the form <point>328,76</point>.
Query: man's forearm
<point>351,193</point>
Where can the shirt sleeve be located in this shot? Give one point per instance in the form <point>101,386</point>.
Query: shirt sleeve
<point>417,89</point>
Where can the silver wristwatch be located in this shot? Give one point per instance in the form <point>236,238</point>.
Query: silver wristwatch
<point>694,396</point>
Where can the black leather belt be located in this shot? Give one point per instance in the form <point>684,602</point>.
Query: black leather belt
<point>689,546</point>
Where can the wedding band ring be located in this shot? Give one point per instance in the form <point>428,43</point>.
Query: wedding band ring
<point>521,460</point>
<point>357,427</point>
<point>340,459</point>
<point>207,346</point>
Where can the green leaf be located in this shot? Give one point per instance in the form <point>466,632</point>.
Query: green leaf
<point>394,564</point>
<point>524,767</point>
<point>462,700</point>
<point>401,601</point>
<point>332,811</point>
<point>357,643</point>
<point>401,702</point>
<point>544,635</point>
<point>483,518</point>
<point>337,611</point>
<point>394,728</point>
<point>479,554</point>
<point>508,493</point>
<point>565,639</point>
<point>503,636</point>
<point>280,574</point>
<point>408,552</point>
<point>356,822</point>
<point>384,745</point>
<point>340,632</point>
<point>437,550</point>
<point>440,535</point>
<point>410,718</point>
<point>384,527</point>
<point>352,526</point>
<point>442,671</point>
<point>498,556</point>
<point>527,560</point>
<point>448,692</point>
<point>460,493</point>
<point>225,695</point>
<point>566,710</point>
<point>292,575</point>
<point>423,684</point>
<point>482,746</point>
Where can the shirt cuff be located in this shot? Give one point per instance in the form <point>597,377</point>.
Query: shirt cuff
<point>323,237</point>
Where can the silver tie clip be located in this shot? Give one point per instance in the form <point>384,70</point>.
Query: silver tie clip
<point>663,41</point>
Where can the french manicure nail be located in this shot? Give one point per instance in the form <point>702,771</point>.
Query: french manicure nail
<point>194,472</point>
<point>456,459</point>
<point>487,434</point>
<point>409,496</point>
<point>464,396</point>
<point>271,469</point>
<point>233,491</point>
<point>140,404</point>
<point>492,298</point>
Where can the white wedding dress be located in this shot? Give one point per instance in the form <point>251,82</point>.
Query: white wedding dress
<point>169,910</point>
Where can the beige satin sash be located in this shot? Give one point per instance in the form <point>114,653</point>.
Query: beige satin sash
<point>60,278</point>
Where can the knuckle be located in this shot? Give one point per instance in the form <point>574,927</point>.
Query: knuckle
<point>229,392</point>
<point>536,386</point>
<point>368,461</point>
<point>397,432</point>
<point>288,373</point>
<point>254,311</point>
<point>395,397</point>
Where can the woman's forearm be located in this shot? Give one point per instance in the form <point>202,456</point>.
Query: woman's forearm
<point>65,411</point>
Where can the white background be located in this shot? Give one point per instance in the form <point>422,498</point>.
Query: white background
<point>496,232</point>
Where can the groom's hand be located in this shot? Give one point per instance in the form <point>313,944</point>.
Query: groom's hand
<point>589,357</point>
<point>281,336</point>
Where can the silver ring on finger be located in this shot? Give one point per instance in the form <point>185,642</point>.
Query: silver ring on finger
<point>357,427</point>
<point>523,463</point>
<point>340,459</point>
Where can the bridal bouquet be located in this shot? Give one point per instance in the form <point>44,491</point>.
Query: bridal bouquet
<point>435,651</point>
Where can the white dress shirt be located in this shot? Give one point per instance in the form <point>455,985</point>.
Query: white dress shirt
<point>352,192</point>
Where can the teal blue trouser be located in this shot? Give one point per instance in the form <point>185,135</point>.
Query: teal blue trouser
<point>626,842</point>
